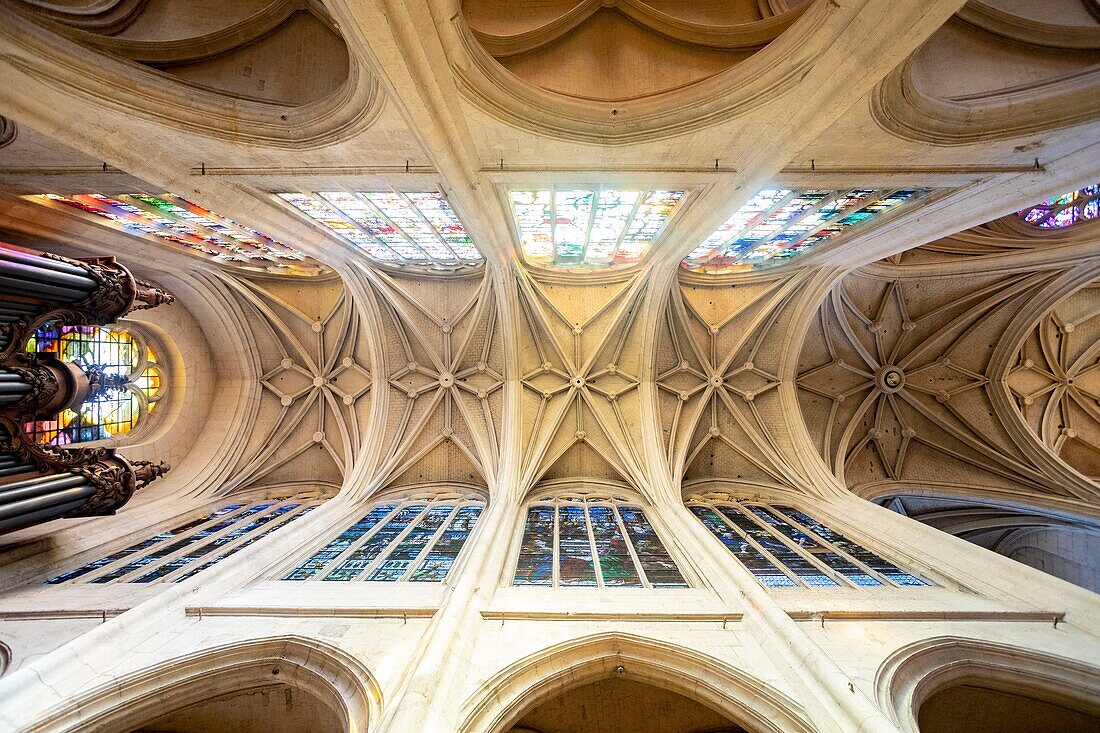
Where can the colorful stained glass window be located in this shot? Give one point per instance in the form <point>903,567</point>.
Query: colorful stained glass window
<point>414,540</point>
<point>191,547</point>
<point>592,541</point>
<point>177,222</point>
<point>393,227</point>
<point>1065,210</point>
<point>590,228</point>
<point>136,382</point>
<point>780,223</point>
<point>766,571</point>
<point>784,548</point>
<point>868,559</point>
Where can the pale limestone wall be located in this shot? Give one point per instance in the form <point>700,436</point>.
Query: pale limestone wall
<point>1069,555</point>
<point>835,100</point>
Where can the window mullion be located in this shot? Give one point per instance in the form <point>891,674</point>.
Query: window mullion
<point>392,544</point>
<point>273,523</point>
<point>557,545</point>
<point>237,518</point>
<point>596,565</point>
<point>780,566</point>
<point>130,557</point>
<point>430,543</point>
<point>805,554</point>
<point>631,549</point>
<point>350,549</point>
<point>825,543</point>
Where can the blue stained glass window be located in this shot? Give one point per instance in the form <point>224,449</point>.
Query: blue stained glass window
<point>394,538</point>
<point>224,531</point>
<point>402,558</point>
<point>591,541</point>
<point>806,571</point>
<point>536,553</point>
<point>358,561</point>
<point>143,545</point>
<point>808,544</point>
<point>863,555</point>
<point>337,547</point>
<point>745,529</point>
<point>761,567</point>
<point>237,548</point>
<point>441,558</point>
<point>232,536</point>
<point>190,539</point>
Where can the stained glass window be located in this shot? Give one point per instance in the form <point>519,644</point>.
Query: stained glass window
<point>865,557</point>
<point>138,382</point>
<point>785,548</point>
<point>585,228</point>
<point>177,222</point>
<point>179,553</point>
<point>780,223</point>
<point>1065,210</point>
<point>392,227</point>
<point>417,540</point>
<point>588,540</point>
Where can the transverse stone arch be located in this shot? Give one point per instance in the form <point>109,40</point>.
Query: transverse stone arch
<point>578,114</point>
<point>912,674</point>
<point>1056,63</point>
<point>352,100</point>
<point>334,677</point>
<point>537,677</point>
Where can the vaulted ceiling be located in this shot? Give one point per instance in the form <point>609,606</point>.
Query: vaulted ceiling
<point>944,343</point>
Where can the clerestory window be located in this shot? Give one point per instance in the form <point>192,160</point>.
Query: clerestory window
<point>784,547</point>
<point>592,540</point>
<point>1064,211</point>
<point>193,546</point>
<point>416,539</point>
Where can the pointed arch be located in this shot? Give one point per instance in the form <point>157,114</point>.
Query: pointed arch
<point>336,679</point>
<point>913,673</point>
<point>537,677</point>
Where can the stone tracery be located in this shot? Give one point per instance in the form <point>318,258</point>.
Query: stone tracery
<point>509,381</point>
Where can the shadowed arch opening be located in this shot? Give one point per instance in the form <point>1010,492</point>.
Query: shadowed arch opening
<point>951,683</point>
<point>980,709</point>
<point>283,684</point>
<point>591,683</point>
